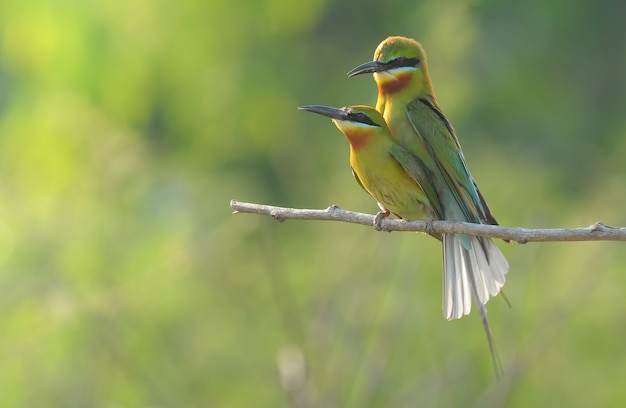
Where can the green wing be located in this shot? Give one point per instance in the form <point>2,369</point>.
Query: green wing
<point>438,135</point>
<point>416,169</point>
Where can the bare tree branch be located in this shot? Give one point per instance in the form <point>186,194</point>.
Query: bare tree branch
<point>595,232</point>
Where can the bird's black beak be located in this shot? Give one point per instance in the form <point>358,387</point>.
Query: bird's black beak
<point>327,111</point>
<point>368,68</point>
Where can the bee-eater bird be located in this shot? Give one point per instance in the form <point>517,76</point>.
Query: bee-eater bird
<point>384,169</point>
<point>473,266</point>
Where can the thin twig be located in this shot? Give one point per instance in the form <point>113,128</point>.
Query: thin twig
<point>595,232</point>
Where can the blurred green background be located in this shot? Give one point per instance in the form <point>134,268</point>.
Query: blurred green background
<point>126,128</point>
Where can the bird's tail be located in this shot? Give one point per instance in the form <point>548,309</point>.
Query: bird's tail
<point>473,267</point>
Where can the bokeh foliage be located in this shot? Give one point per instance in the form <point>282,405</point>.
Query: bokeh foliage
<point>126,127</point>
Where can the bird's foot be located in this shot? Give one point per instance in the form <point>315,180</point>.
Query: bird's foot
<point>379,218</point>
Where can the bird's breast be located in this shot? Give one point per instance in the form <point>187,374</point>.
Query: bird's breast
<point>389,185</point>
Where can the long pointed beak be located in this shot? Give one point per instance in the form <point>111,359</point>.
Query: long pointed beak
<point>327,111</point>
<point>367,68</point>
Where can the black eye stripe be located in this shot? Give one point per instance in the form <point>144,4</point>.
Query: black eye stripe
<point>362,118</point>
<point>403,62</point>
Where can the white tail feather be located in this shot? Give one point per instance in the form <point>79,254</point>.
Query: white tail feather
<point>483,264</point>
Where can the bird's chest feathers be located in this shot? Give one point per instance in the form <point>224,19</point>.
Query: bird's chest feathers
<point>389,184</point>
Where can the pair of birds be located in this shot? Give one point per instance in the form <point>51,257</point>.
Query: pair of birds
<point>406,156</point>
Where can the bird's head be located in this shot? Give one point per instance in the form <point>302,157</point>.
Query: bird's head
<point>399,64</point>
<point>359,123</point>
